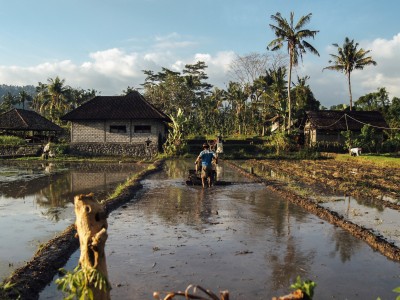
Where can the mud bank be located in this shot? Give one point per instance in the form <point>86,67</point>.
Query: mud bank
<point>27,281</point>
<point>377,242</point>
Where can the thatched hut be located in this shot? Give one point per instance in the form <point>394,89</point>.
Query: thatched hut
<point>29,125</point>
<point>325,126</point>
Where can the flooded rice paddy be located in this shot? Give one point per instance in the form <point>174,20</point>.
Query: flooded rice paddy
<point>36,202</point>
<point>242,238</point>
<point>378,212</point>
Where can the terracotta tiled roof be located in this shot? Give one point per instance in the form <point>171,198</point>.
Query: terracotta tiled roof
<point>131,106</point>
<point>341,120</point>
<point>21,119</point>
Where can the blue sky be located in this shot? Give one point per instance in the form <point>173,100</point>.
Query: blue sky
<point>105,44</point>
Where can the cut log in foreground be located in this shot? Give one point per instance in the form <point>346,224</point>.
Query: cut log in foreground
<point>209,295</point>
<point>296,295</point>
<point>91,225</point>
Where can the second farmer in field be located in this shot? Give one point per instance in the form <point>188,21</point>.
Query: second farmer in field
<point>206,157</point>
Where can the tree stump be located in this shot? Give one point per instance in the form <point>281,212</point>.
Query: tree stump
<point>91,225</point>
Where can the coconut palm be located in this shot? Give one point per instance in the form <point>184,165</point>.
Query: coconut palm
<point>24,97</point>
<point>349,58</point>
<point>53,98</point>
<point>294,36</point>
<point>9,100</point>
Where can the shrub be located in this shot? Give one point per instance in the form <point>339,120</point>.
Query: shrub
<point>60,149</point>
<point>11,140</point>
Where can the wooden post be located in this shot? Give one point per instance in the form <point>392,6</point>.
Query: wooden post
<point>91,225</point>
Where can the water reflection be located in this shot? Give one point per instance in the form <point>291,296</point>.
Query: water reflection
<point>36,201</point>
<point>382,220</point>
<point>345,245</point>
<point>241,237</point>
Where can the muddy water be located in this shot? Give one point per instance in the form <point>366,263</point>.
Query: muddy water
<point>365,211</point>
<point>241,238</point>
<point>36,202</point>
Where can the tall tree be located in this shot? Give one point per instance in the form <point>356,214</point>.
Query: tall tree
<point>53,98</point>
<point>23,97</point>
<point>168,90</point>
<point>348,59</point>
<point>294,35</point>
<point>378,100</point>
<point>276,80</point>
<point>247,68</point>
<point>195,77</point>
<point>304,99</point>
<point>237,97</point>
<point>8,102</point>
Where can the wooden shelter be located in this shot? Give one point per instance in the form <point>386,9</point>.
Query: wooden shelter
<point>326,125</point>
<point>28,124</point>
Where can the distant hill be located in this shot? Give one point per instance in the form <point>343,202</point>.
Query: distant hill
<point>14,90</point>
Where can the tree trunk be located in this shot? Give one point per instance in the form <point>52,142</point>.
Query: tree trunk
<point>91,225</point>
<point>289,84</point>
<point>351,96</point>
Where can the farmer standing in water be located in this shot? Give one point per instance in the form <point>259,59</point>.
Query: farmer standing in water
<point>206,156</point>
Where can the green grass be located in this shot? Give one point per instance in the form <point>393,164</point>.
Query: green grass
<point>380,160</point>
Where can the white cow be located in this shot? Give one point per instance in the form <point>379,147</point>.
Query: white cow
<point>355,151</point>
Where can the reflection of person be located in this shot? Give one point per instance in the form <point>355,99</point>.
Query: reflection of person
<point>46,151</point>
<point>206,156</point>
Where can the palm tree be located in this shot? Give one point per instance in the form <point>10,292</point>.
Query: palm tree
<point>349,58</point>
<point>276,81</point>
<point>237,97</point>
<point>24,97</point>
<point>294,35</point>
<point>54,98</point>
<point>8,102</point>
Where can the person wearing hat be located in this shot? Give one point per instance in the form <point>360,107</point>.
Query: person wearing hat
<point>206,156</point>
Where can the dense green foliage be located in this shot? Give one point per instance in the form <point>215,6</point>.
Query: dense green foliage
<point>307,287</point>
<point>176,141</point>
<point>11,140</point>
<point>52,100</point>
<point>261,100</point>
<point>79,283</point>
<point>15,90</point>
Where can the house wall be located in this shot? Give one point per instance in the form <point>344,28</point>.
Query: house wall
<point>99,132</point>
<point>157,128</point>
<point>95,138</point>
<point>313,137</point>
<point>92,132</point>
<point>114,149</point>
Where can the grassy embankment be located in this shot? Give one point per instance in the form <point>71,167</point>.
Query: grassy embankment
<point>379,160</point>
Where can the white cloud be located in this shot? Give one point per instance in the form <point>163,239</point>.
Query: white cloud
<point>386,49</point>
<point>112,70</point>
<point>218,66</point>
<point>386,74</point>
<point>113,61</point>
<point>172,41</point>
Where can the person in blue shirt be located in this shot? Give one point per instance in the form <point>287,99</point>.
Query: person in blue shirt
<point>206,157</point>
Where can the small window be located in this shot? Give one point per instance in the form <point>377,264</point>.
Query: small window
<point>142,129</point>
<point>117,128</point>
